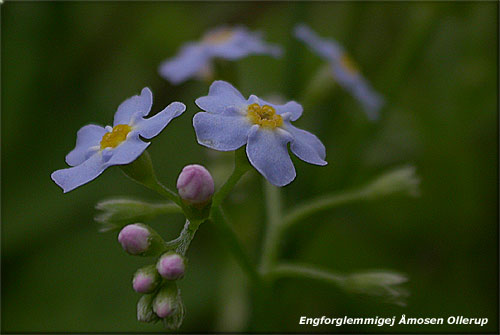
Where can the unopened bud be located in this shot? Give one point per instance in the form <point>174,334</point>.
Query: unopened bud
<point>195,185</point>
<point>139,239</point>
<point>382,284</point>
<point>402,180</point>
<point>146,279</point>
<point>171,266</point>
<point>145,311</point>
<point>165,302</point>
<point>116,213</point>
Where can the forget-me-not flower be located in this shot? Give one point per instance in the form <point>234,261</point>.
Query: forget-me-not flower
<point>98,148</point>
<point>223,42</point>
<point>231,121</point>
<point>344,70</point>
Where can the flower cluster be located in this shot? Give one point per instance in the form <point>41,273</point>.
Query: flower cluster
<point>161,298</point>
<point>228,122</point>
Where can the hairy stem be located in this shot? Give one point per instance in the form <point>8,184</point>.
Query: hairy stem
<point>181,244</point>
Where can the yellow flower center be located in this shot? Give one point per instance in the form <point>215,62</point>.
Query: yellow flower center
<point>348,64</point>
<point>264,116</point>
<point>218,37</point>
<point>115,137</point>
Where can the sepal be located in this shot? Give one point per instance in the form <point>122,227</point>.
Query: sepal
<point>145,311</point>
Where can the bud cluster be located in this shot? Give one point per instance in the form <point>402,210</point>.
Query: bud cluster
<point>160,297</point>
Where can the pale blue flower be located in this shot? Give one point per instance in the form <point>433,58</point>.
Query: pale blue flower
<point>231,121</point>
<point>344,70</point>
<point>194,58</point>
<point>98,148</point>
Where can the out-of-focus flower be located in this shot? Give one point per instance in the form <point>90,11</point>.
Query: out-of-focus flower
<point>98,148</point>
<point>345,72</point>
<point>232,121</point>
<point>195,184</point>
<point>194,58</point>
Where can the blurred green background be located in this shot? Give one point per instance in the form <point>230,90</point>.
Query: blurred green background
<point>67,64</point>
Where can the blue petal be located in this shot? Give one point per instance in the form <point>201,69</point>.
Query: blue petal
<point>222,98</point>
<point>371,101</point>
<point>306,146</point>
<point>361,90</point>
<point>128,151</point>
<point>220,132</point>
<point>292,109</point>
<point>149,128</point>
<point>242,44</point>
<point>71,178</point>
<point>87,137</point>
<point>138,104</point>
<point>190,60</point>
<point>326,48</point>
<point>268,152</point>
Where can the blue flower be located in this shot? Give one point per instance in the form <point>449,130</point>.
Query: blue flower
<point>232,121</point>
<point>194,58</point>
<point>344,70</point>
<point>98,148</point>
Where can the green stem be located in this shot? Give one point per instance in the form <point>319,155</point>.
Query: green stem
<point>273,228</point>
<point>321,204</point>
<point>305,271</point>
<point>141,171</point>
<point>229,235</point>
<point>241,166</point>
<point>165,191</point>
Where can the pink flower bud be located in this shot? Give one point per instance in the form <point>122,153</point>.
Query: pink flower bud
<point>167,300</point>
<point>146,279</point>
<point>162,307</point>
<point>195,184</point>
<point>171,266</point>
<point>134,238</point>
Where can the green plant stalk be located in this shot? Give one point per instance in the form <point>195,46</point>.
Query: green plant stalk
<point>277,224</point>
<point>141,171</point>
<point>165,191</point>
<point>186,236</point>
<point>301,271</point>
<point>241,166</point>
<point>273,229</point>
<point>234,245</point>
<point>321,204</point>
